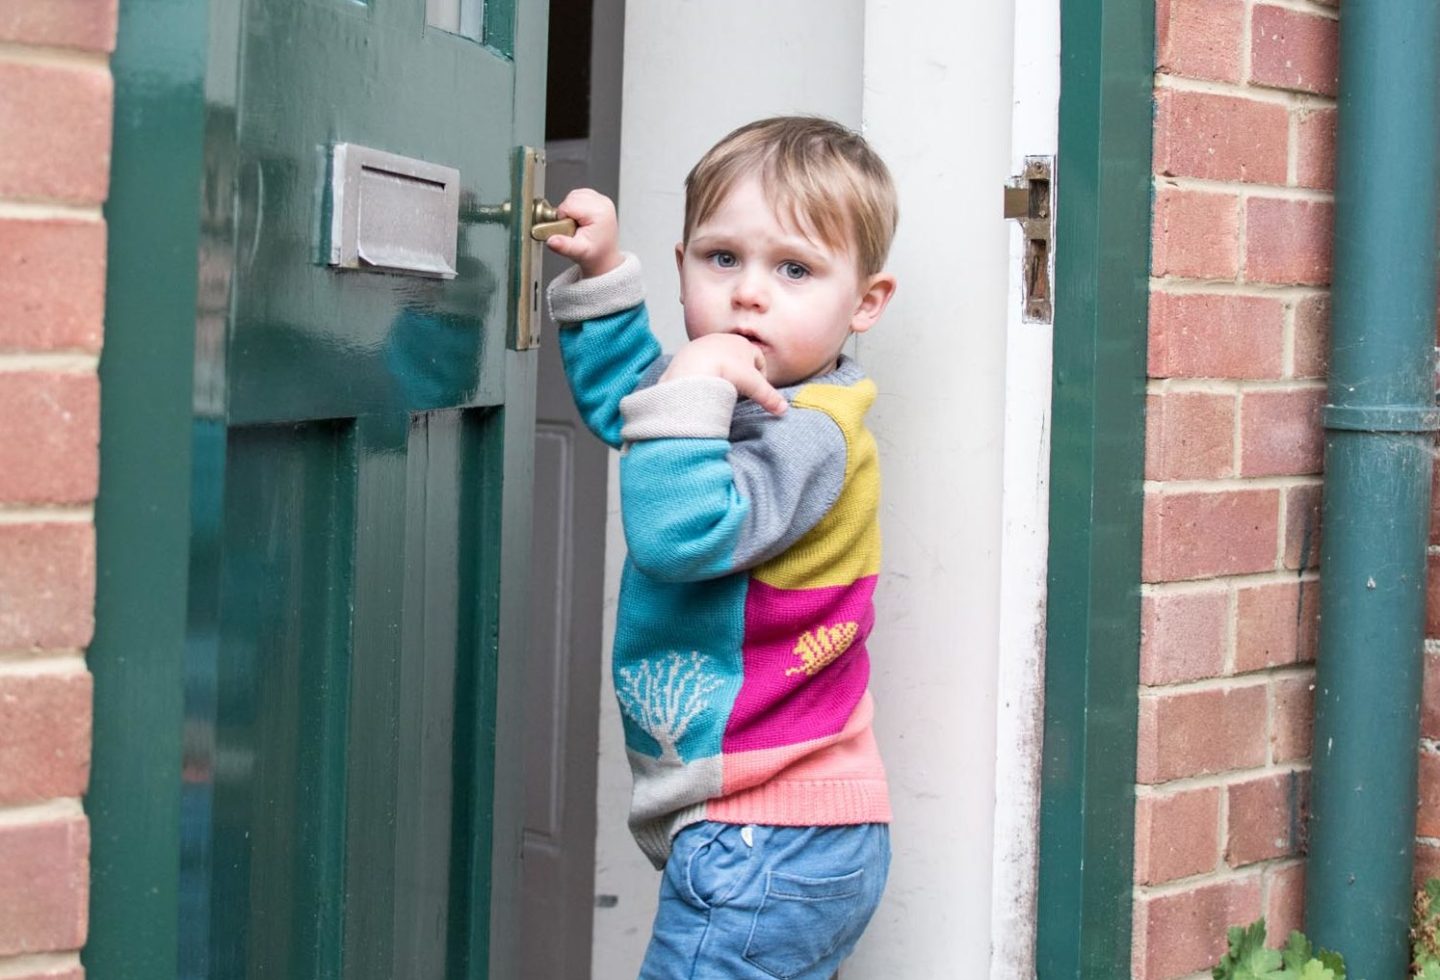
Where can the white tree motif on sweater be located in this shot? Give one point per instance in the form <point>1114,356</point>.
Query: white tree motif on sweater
<point>665,696</point>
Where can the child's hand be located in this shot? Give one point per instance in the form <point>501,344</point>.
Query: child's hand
<point>595,246</point>
<point>732,357</point>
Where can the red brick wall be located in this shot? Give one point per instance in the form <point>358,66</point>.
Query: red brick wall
<point>54,172</point>
<point>1243,161</point>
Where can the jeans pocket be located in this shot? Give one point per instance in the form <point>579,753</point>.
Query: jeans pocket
<point>801,921</point>
<point>716,864</point>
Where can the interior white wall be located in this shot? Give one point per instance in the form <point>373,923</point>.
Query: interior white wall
<point>693,72</point>
<point>937,107</point>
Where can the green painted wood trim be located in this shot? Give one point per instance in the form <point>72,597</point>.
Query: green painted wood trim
<point>142,515</point>
<point>1096,494</point>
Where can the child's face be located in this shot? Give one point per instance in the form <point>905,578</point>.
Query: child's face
<point>744,271</point>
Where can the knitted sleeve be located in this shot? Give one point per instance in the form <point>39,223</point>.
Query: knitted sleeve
<point>605,341</point>
<point>700,498</point>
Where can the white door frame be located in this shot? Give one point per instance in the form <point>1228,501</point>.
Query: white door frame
<point>1025,546</point>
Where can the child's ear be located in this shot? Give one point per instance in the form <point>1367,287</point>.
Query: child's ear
<point>680,268</point>
<point>873,300</point>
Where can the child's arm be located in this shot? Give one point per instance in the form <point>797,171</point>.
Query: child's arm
<point>605,338</point>
<point>699,500</point>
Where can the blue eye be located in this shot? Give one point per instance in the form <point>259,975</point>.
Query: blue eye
<point>724,260</point>
<point>793,271</point>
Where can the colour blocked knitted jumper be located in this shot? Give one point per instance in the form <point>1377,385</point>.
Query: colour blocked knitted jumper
<point>740,658</point>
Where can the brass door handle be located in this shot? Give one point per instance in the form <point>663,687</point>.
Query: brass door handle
<point>545,222</point>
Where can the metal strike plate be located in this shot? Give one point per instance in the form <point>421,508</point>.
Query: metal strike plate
<point>390,213</point>
<point>1029,199</point>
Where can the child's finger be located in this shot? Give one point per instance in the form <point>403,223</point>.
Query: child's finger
<point>754,387</point>
<point>567,245</point>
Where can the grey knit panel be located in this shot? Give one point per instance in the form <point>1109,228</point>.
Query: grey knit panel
<point>791,469</point>
<point>667,796</point>
<point>573,299</point>
<point>653,372</point>
<point>697,407</point>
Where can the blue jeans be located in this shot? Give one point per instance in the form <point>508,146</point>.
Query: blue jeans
<point>758,903</point>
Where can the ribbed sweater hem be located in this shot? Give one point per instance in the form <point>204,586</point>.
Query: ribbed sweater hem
<point>780,803</point>
<point>806,803</point>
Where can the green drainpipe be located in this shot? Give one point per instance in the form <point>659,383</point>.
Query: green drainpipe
<point>1379,424</point>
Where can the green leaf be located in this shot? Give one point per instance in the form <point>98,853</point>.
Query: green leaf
<point>1315,970</point>
<point>1297,952</point>
<point>1248,959</point>
<point>1431,971</point>
<point>1334,962</point>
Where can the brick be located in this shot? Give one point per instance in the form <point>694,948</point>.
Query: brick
<point>1427,810</point>
<point>1315,148</point>
<point>1184,932</point>
<point>1201,535</point>
<point>1211,336</point>
<point>1183,636</point>
<point>1293,50</point>
<point>1276,625</point>
<point>1281,432</point>
<point>49,437</point>
<point>1189,436</point>
<point>1432,595</point>
<point>1427,862</point>
<point>1200,38</point>
<point>1220,137</point>
<point>1302,527</point>
<point>1196,235</point>
<point>55,127</point>
<point>1312,337</point>
<point>52,284</point>
<point>1284,901</point>
<point>1288,242</point>
<point>46,750</point>
<point>47,585</point>
<point>44,885</point>
<point>1293,722</point>
<point>1176,835</point>
<point>60,971</point>
<point>86,24</point>
<point>1192,733</point>
<point>1435,504</point>
<point>1267,818</point>
<point>1430,703</point>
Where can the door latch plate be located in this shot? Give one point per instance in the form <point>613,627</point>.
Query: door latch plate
<point>1030,200</point>
<point>529,253</point>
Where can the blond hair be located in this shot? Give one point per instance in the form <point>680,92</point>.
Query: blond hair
<point>816,173</point>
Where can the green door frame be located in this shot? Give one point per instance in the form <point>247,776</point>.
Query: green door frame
<point>143,519</point>
<point>143,513</point>
<point>1102,256</point>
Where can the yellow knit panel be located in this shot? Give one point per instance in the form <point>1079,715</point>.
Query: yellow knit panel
<point>845,545</point>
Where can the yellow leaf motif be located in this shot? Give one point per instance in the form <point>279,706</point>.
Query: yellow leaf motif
<point>822,647</point>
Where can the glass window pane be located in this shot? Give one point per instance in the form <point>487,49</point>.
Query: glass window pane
<point>464,17</point>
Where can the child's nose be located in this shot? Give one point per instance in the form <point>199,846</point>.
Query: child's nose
<point>750,292</point>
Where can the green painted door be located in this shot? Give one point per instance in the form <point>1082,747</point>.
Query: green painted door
<point>362,462</point>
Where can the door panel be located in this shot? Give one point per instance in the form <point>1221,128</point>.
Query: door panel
<point>281,718</point>
<point>362,457</point>
<point>563,670</point>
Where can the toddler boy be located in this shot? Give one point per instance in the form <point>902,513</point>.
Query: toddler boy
<point>749,489</point>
